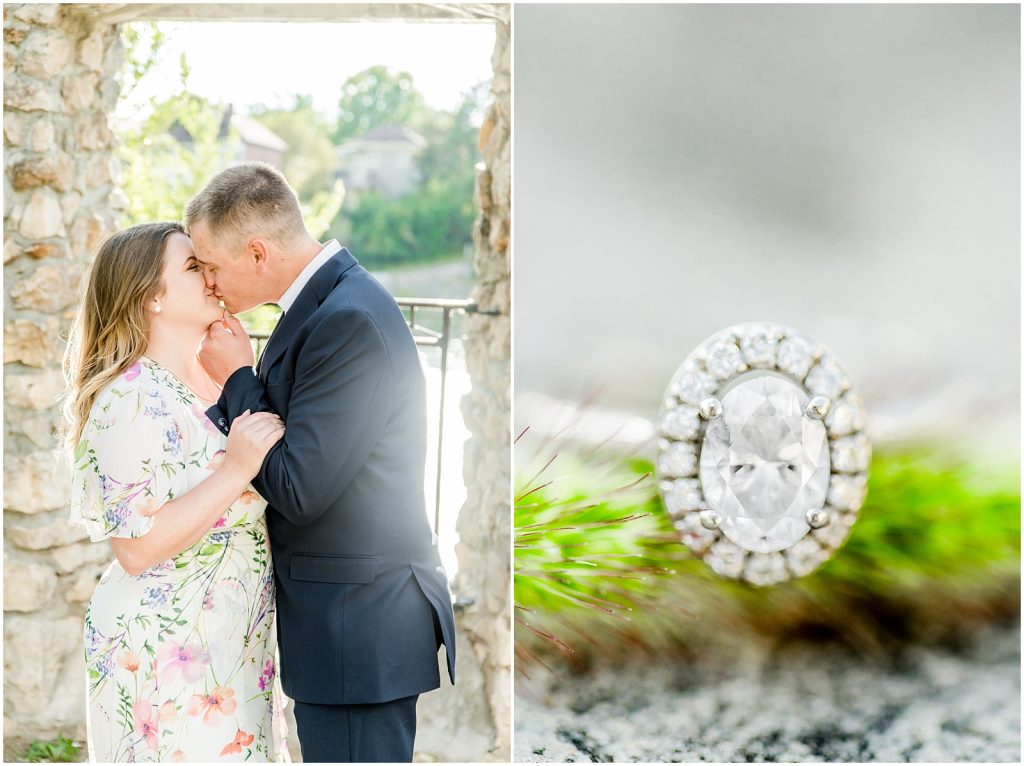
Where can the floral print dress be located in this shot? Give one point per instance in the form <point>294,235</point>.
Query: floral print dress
<point>179,660</point>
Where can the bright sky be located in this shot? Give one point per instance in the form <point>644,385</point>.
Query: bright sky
<point>248,63</point>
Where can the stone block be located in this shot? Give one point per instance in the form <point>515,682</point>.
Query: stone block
<point>30,95</point>
<point>15,125</point>
<point>38,428</point>
<point>35,343</point>
<point>83,584</point>
<point>90,50</point>
<point>42,136</point>
<point>52,533</point>
<point>41,14</point>
<point>69,205</point>
<point>34,651</point>
<point>71,558</point>
<point>92,131</point>
<point>15,35</point>
<point>27,586</point>
<point>80,91</point>
<point>35,483</point>
<point>52,169</point>
<point>34,390</point>
<point>48,289</point>
<point>87,234</point>
<point>42,217</point>
<point>45,53</point>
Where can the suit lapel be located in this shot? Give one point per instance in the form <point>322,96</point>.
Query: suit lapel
<point>309,299</point>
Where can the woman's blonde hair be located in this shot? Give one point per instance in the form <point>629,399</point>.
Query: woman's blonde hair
<point>111,331</point>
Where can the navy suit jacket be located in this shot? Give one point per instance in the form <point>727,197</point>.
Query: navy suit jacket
<point>362,599</point>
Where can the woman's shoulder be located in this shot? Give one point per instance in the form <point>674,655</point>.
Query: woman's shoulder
<point>142,388</point>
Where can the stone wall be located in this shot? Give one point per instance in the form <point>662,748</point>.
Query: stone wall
<point>60,201</point>
<point>484,523</point>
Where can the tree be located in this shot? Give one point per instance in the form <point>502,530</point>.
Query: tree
<point>378,96</point>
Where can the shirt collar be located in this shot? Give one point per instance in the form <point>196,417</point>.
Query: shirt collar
<point>329,250</point>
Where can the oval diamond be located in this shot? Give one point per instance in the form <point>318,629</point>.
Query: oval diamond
<point>764,464</point>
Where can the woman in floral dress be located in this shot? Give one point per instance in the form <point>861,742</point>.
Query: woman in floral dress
<point>179,641</point>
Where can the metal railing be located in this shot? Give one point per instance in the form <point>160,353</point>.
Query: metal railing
<point>414,309</point>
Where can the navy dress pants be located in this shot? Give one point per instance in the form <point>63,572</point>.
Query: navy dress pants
<point>379,733</point>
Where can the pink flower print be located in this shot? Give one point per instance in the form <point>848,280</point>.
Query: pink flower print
<point>129,660</point>
<point>221,522</point>
<point>168,713</point>
<point>133,372</point>
<point>247,497</point>
<point>216,460</point>
<point>190,661</point>
<point>144,723</point>
<point>208,600</point>
<point>267,676</point>
<point>217,702</point>
<point>242,739</point>
<point>178,756</point>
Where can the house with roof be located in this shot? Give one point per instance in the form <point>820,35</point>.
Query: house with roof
<point>382,159</point>
<point>256,142</point>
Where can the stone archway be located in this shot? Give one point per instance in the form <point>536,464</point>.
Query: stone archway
<point>61,200</point>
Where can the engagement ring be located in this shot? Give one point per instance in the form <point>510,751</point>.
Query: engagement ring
<point>762,457</point>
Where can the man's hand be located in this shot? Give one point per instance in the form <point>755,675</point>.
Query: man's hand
<point>225,349</point>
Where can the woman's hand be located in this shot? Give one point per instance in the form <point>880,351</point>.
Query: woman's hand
<point>251,437</point>
<point>225,349</point>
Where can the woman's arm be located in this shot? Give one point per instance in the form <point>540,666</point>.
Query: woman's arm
<point>177,525</point>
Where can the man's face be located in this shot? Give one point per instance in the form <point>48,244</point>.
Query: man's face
<point>234,277</point>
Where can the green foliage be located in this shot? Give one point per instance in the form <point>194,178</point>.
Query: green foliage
<point>936,549</point>
<point>160,174</point>
<point>59,750</point>
<point>374,97</point>
<point>433,221</point>
<point>142,42</point>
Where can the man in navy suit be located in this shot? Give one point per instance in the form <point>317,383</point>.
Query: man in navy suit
<point>362,599</point>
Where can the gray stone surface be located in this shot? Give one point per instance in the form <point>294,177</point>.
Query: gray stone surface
<point>797,703</point>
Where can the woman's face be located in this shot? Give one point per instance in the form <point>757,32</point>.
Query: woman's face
<point>186,301</point>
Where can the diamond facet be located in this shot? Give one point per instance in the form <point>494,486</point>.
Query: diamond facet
<point>763,464</point>
<point>684,496</point>
<point>723,359</point>
<point>682,422</point>
<point>679,460</point>
<point>693,534</point>
<point>695,386</point>
<point>726,558</point>
<point>758,346</point>
<point>795,356</point>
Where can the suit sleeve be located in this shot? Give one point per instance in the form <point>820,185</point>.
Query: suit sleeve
<point>336,414</point>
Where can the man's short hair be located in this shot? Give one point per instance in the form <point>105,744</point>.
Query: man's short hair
<point>251,199</point>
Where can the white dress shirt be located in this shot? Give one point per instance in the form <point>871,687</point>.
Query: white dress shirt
<point>330,249</point>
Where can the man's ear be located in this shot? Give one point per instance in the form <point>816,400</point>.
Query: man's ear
<point>258,252</point>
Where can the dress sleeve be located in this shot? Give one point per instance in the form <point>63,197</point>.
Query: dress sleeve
<point>129,462</point>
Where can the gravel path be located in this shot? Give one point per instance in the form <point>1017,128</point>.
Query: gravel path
<point>798,703</point>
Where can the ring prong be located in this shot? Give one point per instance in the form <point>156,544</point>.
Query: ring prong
<point>817,518</point>
<point>711,408</point>
<point>710,519</point>
<point>818,407</point>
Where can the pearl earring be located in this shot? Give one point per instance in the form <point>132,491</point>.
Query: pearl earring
<point>157,309</point>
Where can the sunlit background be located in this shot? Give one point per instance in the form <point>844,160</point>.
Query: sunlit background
<point>374,125</point>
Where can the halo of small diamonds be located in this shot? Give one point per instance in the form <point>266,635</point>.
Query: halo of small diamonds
<point>760,347</point>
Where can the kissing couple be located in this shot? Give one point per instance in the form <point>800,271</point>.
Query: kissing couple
<point>235,492</point>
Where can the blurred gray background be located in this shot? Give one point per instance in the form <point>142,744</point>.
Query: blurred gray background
<point>853,171</point>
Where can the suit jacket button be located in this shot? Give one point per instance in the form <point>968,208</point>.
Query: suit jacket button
<point>222,422</point>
